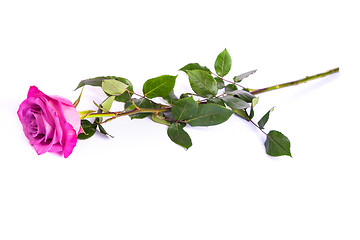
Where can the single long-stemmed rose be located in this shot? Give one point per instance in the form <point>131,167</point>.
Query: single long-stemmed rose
<point>52,123</point>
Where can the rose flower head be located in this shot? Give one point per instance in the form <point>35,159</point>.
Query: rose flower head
<point>51,123</point>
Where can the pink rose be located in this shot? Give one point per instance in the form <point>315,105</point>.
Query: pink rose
<point>51,123</point>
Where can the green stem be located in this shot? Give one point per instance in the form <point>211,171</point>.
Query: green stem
<point>142,96</point>
<point>288,84</point>
<point>126,113</point>
<point>257,126</point>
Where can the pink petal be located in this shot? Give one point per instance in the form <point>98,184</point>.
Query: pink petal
<point>35,92</point>
<point>70,139</point>
<point>69,112</point>
<point>56,148</point>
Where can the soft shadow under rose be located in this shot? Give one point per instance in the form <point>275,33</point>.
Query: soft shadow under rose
<point>51,123</point>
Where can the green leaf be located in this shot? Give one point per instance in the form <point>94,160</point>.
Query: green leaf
<point>168,115</point>
<point>223,63</point>
<point>264,119</point>
<point>244,95</point>
<point>125,96</point>
<point>230,88</point>
<point>240,77</point>
<point>277,144</point>
<point>159,86</point>
<point>103,131</point>
<point>194,66</point>
<point>88,128</point>
<point>171,98</point>
<point>202,83</point>
<point>158,118</point>
<point>177,134</point>
<point>209,115</point>
<point>185,95</point>
<point>184,108</point>
<point>242,113</point>
<point>255,101</point>
<point>98,81</point>
<point>92,82</point>
<point>220,83</point>
<point>253,104</point>
<point>234,102</point>
<point>113,87</point>
<point>141,103</point>
<point>217,101</point>
<point>107,103</point>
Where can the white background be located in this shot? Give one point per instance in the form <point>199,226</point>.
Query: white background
<point>139,185</point>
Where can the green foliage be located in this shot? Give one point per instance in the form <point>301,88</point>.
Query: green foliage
<point>264,119</point>
<point>234,102</point>
<point>243,95</point>
<point>126,95</point>
<point>159,86</point>
<point>220,83</point>
<point>103,131</point>
<point>107,103</point>
<point>141,103</point>
<point>242,113</point>
<point>158,118</point>
<point>185,95</point>
<point>113,87</point>
<point>254,101</point>
<point>98,82</point>
<point>210,114</point>
<point>92,82</point>
<point>171,98</point>
<point>202,83</point>
<point>277,144</point>
<point>177,134</point>
<point>88,128</point>
<point>194,66</point>
<point>240,77</point>
<point>217,101</point>
<point>184,109</point>
<point>230,88</point>
<point>223,63</point>
<point>213,100</point>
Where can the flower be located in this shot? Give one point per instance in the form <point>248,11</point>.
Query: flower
<point>51,123</point>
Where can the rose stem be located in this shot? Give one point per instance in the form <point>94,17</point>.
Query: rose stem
<point>126,113</point>
<point>288,84</point>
